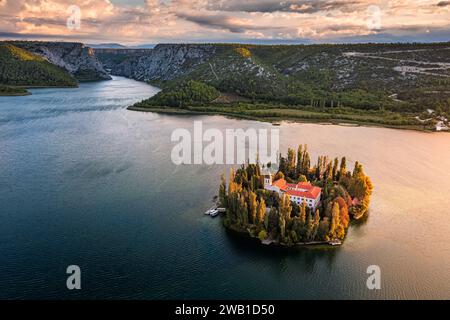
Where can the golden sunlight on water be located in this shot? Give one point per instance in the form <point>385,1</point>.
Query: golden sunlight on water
<point>410,208</point>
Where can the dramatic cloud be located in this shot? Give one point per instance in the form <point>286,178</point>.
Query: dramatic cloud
<point>151,21</point>
<point>305,6</point>
<point>229,23</point>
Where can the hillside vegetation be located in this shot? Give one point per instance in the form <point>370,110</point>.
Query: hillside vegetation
<point>12,91</point>
<point>399,81</point>
<point>20,67</point>
<point>74,57</point>
<point>181,95</point>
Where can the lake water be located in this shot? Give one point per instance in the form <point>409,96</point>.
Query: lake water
<point>85,182</point>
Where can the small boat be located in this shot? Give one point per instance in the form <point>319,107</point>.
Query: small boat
<point>214,213</point>
<point>335,242</point>
<point>209,211</point>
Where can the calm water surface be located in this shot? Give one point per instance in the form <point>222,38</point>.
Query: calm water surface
<point>85,182</point>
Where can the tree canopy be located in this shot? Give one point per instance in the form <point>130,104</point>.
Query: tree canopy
<point>269,216</point>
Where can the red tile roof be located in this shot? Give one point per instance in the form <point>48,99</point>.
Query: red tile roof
<point>301,189</point>
<point>312,193</point>
<point>280,183</point>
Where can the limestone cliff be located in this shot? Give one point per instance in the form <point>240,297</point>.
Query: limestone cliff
<point>78,59</point>
<point>164,62</point>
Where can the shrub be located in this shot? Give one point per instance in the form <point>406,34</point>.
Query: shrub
<point>262,235</point>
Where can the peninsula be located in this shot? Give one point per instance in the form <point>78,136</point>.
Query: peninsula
<point>38,64</point>
<point>390,85</point>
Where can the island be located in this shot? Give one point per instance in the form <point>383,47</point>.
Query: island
<point>295,204</point>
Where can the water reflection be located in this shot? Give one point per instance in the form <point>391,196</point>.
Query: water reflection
<point>83,180</point>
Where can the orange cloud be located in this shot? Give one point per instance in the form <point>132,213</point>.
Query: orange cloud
<point>191,20</point>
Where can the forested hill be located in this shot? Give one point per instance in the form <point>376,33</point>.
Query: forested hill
<point>19,67</point>
<point>76,58</point>
<point>365,76</point>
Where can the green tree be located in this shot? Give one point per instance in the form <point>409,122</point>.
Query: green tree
<point>279,176</point>
<point>315,225</point>
<point>273,222</point>
<point>285,209</point>
<point>291,164</point>
<point>335,169</point>
<point>324,230</point>
<point>223,192</point>
<point>306,162</point>
<point>252,206</point>
<point>299,161</point>
<point>242,211</point>
<point>309,228</point>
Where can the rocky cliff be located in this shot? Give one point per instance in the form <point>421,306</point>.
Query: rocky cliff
<point>78,59</point>
<point>391,67</point>
<point>19,67</point>
<point>164,62</point>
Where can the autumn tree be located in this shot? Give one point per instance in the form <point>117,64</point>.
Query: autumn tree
<point>360,187</point>
<point>342,168</point>
<point>337,231</point>
<point>303,213</point>
<point>335,220</point>
<point>279,176</point>
<point>261,211</point>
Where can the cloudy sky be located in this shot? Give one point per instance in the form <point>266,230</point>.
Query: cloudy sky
<point>260,21</point>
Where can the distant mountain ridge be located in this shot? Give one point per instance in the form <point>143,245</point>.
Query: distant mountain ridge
<point>106,46</point>
<point>120,46</point>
